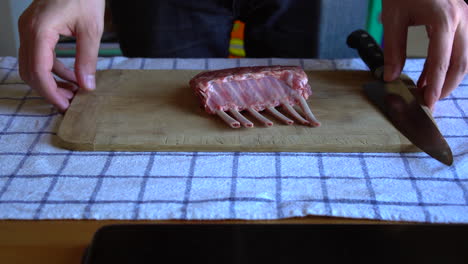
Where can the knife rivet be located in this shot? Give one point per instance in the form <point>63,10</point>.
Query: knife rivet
<point>364,35</point>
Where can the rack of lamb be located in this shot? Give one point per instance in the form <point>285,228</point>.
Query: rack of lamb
<point>255,89</point>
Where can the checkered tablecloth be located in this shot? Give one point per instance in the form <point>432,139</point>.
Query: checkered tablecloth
<point>41,181</point>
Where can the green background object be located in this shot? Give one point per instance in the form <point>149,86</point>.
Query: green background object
<point>374,25</point>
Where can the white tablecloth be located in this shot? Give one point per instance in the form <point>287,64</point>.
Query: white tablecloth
<point>41,181</point>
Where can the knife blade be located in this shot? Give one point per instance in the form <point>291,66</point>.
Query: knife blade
<point>400,102</point>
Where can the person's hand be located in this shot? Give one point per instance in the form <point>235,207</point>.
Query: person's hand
<point>446,23</point>
<point>40,27</point>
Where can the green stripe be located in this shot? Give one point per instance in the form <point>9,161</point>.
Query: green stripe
<point>102,53</point>
<point>374,27</point>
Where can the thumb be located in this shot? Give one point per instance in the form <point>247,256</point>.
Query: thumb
<point>395,37</point>
<point>87,49</point>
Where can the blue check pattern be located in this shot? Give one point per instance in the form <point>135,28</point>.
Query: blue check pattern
<point>39,180</point>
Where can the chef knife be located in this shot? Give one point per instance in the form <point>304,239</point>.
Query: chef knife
<point>400,102</point>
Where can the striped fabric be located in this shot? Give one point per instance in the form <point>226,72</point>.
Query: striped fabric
<point>38,180</point>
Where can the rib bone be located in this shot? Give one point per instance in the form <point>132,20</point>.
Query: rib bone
<point>229,120</point>
<point>260,117</point>
<point>244,121</point>
<point>280,116</point>
<point>307,112</point>
<point>288,108</point>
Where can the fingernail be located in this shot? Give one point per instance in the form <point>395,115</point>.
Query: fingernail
<point>63,106</point>
<point>90,81</point>
<point>431,99</point>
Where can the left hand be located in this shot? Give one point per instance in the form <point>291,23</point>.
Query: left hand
<point>446,23</point>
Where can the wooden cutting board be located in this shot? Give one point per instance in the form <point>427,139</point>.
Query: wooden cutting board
<point>155,110</point>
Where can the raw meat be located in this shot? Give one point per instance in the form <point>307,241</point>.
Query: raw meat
<point>255,89</point>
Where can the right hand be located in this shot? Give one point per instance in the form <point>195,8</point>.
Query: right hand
<point>40,27</point>
<point>446,22</point>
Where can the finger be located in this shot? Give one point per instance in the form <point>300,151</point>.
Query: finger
<point>65,93</point>
<point>67,85</point>
<point>87,48</point>
<point>458,62</point>
<point>63,72</point>
<point>429,31</point>
<point>23,61</point>
<point>40,70</point>
<point>438,60</point>
<point>395,37</point>
<point>47,88</point>
<point>25,41</point>
<point>422,81</point>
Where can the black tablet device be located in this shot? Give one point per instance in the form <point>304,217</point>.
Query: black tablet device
<point>278,243</point>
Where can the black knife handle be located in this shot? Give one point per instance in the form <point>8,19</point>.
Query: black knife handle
<point>369,51</point>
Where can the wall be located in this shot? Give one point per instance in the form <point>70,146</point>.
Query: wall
<point>332,33</point>
<point>10,10</point>
<point>337,20</point>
